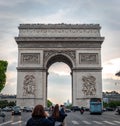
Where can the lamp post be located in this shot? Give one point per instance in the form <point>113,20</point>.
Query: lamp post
<point>118,75</point>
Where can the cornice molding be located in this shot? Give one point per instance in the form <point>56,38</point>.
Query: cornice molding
<point>67,39</point>
<point>59,26</point>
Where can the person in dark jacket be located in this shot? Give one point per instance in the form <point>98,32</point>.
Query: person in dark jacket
<point>81,110</point>
<point>62,113</point>
<point>58,116</point>
<point>39,118</point>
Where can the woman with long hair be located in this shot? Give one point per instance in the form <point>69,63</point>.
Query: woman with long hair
<point>58,116</point>
<point>39,118</point>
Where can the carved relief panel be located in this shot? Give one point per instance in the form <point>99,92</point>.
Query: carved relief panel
<point>89,85</point>
<point>29,85</point>
<point>49,53</point>
<point>30,58</point>
<point>88,58</point>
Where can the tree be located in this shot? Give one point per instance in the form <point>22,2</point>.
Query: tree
<point>49,103</point>
<point>3,68</point>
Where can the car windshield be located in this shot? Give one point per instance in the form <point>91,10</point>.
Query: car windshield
<point>16,107</point>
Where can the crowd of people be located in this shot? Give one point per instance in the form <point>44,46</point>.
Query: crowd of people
<point>41,118</point>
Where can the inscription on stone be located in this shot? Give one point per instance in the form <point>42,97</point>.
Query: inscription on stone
<point>30,58</point>
<point>88,58</point>
<point>89,85</point>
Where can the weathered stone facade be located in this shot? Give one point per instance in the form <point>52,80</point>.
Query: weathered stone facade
<point>40,45</point>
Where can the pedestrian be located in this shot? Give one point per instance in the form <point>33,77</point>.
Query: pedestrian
<point>40,118</point>
<point>62,113</point>
<point>58,116</point>
<point>81,110</point>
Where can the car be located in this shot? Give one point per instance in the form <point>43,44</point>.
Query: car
<point>67,110</point>
<point>7,109</point>
<point>75,108</point>
<point>109,109</point>
<point>27,109</point>
<point>16,110</point>
<point>2,114</point>
<point>118,109</point>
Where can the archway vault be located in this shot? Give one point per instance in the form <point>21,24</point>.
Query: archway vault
<point>41,45</point>
<point>59,58</point>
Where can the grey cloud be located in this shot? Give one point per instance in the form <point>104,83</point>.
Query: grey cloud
<point>58,79</point>
<point>111,84</point>
<point>12,67</point>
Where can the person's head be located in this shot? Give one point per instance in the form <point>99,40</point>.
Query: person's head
<point>56,111</point>
<point>38,111</point>
<point>62,106</point>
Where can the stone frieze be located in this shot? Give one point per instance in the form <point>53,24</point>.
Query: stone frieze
<point>30,58</point>
<point>49,53</point>
<point>88,58</point>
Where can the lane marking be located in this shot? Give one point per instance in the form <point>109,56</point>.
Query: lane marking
<point>109,122</point>
<point>117,122</point>
<point>86,122</point>
<point>97,122</point>
<point>16,122</point>
<point>75,122</point>
<point>5,123</point>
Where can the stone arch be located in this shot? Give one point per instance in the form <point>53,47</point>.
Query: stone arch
<point>78,45</point>
<point>59,58</point>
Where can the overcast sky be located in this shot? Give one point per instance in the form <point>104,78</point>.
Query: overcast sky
<point>103,12</point>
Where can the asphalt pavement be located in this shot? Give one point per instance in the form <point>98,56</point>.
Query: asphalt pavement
<point>73,119</point>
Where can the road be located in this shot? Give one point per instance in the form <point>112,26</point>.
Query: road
<point>73,119</point>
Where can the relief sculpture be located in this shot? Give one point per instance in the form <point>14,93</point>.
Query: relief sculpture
<point>88,58</point>
<point>30,58</point>
<point>29,85</point>
<point>89,85</point>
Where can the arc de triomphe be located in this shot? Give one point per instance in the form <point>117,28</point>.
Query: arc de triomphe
<point>41,45</point>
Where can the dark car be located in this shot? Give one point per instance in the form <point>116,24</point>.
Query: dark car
<point>7,109</point>
<point>27,109</point>
<point>2,114</point>
<point>75,108</point>
<point>118,109</point>
<point>16,110</point>
<point>109,109</point>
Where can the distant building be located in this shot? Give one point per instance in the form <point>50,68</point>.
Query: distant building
<point>9,98</point>
<point>111,96</point>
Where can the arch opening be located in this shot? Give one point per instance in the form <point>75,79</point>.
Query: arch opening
<point>59,80</point>
<point>59,58</point>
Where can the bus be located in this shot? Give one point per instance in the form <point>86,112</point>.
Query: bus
<point>95,106</point>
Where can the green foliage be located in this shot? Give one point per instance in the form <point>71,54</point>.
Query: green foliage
<point>3,68</point>
<point>11,103</point>
<point>105,104</point>
<point>5,103</point>
<point>49,103</point>
<point>112,104</point>
<point>69,106</point>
